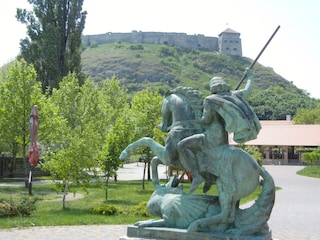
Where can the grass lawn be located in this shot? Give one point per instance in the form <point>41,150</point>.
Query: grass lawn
<point>125,195</point>
<point>310,171</point>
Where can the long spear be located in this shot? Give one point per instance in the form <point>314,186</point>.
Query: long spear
<point>241,80</point>
<point>254,62</point>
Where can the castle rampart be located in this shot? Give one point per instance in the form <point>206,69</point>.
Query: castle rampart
<point>228,42</point>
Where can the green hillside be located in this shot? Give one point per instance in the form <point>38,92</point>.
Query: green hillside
<point>162,67</point>
<point>138,66</point>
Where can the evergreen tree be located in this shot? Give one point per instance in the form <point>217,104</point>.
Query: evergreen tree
<point>54,30</point>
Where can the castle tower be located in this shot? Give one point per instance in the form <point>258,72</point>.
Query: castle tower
<point>230,43</point>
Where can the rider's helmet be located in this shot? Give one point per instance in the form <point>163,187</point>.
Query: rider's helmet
<point>218,85</point>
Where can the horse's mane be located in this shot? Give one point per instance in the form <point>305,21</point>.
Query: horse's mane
<point>193,96</point>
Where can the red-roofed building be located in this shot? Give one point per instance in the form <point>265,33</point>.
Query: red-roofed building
<point>283,142</point>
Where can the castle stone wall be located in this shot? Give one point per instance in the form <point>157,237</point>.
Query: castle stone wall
<point>183,40</point>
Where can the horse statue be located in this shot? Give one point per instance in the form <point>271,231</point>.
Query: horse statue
<point>181,109</point>
<point>198,142</point>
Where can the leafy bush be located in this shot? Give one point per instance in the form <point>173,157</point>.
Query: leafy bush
<point>140,209</point>
<point>26,206</point>
<point>93,45</point>
<point>7,209</point>
<point>310,157</point>
<point>136,47</point>
<point>169,62</point>
<point>22,208</point>
<point>254,152</point>
<point>107,210</point>
<point>167,52</point>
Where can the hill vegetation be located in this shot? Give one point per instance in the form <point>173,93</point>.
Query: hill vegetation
<point>162,67</point>
<point>159,66</point>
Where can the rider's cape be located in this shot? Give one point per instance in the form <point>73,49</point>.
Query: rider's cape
<point>239,118</point>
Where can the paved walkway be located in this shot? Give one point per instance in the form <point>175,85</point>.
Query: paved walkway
<point>296,214</point>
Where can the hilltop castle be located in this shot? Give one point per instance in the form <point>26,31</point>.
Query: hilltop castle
<point>227,42</point>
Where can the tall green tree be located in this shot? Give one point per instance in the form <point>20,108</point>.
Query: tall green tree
<point>71,156</point>
<point>53,44</point>
<point>115,96</point>
<point>276,103</point>
<point>146,109</point>
<point>117,138</point>
<point>19,92</point>
<point>307,116</point>
<point>117,127</point>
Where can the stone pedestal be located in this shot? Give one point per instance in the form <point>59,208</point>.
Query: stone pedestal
<point>153,233</point>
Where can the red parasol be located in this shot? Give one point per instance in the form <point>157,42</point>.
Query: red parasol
<point>33,148</point>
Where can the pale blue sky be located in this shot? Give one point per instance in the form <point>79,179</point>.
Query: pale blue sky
<point>294,53</point>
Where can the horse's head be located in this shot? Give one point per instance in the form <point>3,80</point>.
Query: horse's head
<point>166,121</point>
<point>180,105</point>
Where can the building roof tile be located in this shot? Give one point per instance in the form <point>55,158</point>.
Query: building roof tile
<point>229,30</point>
<point>285,133</point>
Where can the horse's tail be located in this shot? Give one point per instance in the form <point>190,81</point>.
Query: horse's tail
<point>253,220</point>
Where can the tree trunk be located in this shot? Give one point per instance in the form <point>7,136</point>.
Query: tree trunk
<point>149,173</point>
<point>144,175</point>
<point>65,192</point>
<point>106,193</point>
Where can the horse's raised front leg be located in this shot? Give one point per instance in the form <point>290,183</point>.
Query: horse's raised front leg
<point>162,155</point>
<point>156,148</point>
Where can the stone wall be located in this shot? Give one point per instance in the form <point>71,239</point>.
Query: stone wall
<point>183,40</point>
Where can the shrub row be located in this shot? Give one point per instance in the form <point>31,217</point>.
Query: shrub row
<point>22,208</point>
<point>109,210</point>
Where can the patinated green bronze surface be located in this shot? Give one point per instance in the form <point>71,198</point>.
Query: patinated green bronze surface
<point>198,142</point>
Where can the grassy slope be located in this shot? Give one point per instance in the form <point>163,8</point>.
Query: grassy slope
<point>159,66</point>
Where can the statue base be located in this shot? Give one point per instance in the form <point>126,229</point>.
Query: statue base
<point>156,233</point>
